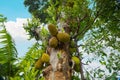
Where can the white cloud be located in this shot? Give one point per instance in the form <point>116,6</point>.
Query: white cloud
<point>15,28</point>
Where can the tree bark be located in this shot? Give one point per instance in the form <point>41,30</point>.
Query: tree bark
<point>63,70</point>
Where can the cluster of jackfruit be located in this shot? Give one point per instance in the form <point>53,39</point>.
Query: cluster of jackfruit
<point>77,63</point>
<point>44,59</point>
<point>57,36</point>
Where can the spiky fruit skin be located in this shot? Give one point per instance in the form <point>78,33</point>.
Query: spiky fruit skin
<point>76,60</point>
<point>45,58</point>
<point>63,37</point>
<point>53,42</point>
<point>38,64</point>
<point>52,29</point>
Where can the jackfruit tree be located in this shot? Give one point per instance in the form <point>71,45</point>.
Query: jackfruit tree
<point>74,35</point>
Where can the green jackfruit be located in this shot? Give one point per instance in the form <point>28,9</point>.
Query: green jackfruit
<point>63,37</point>
<point>77,68</point>
<point>72,43</point>
<point>72,50</point>
<point>38,64</point>
<point>76,60</point>
<point>52,29</point>
<point>45,58</point>
<point>53,42</point>
<point>77,63</point>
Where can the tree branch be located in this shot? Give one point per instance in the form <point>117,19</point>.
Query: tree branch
<point>80,45</point>
<point>89,74</point>
<point>78,21</point>
<point>89,25</point>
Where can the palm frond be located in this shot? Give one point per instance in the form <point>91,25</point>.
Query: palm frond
<point>8,52</point>
<point>7,43</point>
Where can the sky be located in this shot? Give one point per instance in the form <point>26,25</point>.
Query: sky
<point>16,14</point>
<point>13,9</point>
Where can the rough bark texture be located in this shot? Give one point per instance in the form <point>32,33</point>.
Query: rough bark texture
<point>63,70</point>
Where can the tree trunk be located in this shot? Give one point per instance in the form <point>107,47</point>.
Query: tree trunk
<point>62,70</point>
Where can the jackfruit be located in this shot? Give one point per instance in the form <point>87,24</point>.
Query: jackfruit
<point>72,50</point>
<point>53,42</point>
<point>72,43</point>
<point>52,29</point>
<point>63,37</point>
<point>76,60</point>
<point>77,63</point>
<point>38,64</point>
<point>77,68</point>
<point>45,58</point>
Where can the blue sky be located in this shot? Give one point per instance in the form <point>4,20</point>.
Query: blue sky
<point>16,14</point>
<point>13,9</point>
